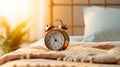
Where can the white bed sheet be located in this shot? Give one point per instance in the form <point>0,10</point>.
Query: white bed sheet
<point>73,40</point>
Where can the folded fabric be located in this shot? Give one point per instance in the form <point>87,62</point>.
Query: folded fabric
<point>84,52</point>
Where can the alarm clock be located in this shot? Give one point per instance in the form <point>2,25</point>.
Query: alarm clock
<point>56,38</point>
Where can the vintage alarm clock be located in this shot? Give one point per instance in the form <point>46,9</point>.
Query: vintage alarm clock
<point>56,38</point>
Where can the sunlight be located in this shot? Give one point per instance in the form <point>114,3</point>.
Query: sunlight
<point>18,10</point>
<point>41,10</point>
<point>8,9</point>
<point>23,9</point>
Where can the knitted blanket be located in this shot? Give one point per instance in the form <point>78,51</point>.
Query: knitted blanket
<point>106,53</point>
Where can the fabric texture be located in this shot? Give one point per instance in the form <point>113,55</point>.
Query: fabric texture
<point>84,52</point>
<point>101,24</point>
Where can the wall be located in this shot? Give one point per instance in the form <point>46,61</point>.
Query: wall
<point>76,25</point>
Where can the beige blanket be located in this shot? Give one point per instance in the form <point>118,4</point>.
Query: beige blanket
<point>105,53</point>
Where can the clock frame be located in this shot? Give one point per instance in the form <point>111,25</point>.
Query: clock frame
<point>63,46</point>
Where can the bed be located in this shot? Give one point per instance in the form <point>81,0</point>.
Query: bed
<point>98,47</point>
<point>78,54</point>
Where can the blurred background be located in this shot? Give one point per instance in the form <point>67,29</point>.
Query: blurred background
<point>16,11</point>
<point>21,22</point>
<point>24,21</point>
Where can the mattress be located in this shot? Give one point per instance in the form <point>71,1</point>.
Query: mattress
<point>78,54</point>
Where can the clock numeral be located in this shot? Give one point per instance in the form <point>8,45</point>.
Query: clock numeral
<point>59,45</point>
<point>55,46</point>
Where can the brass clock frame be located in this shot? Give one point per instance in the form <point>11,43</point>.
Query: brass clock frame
<point>66,41</point>
<point>60,29</point>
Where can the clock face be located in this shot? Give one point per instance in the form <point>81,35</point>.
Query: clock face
<point>55,40</point>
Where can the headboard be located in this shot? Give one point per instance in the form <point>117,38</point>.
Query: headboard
<point>70,11</point>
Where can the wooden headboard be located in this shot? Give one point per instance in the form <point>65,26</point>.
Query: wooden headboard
<point>70,11</point>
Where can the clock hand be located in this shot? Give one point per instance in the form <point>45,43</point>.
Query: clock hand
<point>55,39</point>
<point>53,36</point>
<point>58,41</point>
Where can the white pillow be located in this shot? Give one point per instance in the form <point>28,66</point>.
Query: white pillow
<point>101,24</point>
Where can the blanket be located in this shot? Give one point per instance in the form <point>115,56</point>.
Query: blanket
<point>105,53</point>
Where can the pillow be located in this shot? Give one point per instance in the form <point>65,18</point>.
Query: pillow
<point>101,24</point>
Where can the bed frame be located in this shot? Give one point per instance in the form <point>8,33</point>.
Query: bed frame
<point>104,3</point>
